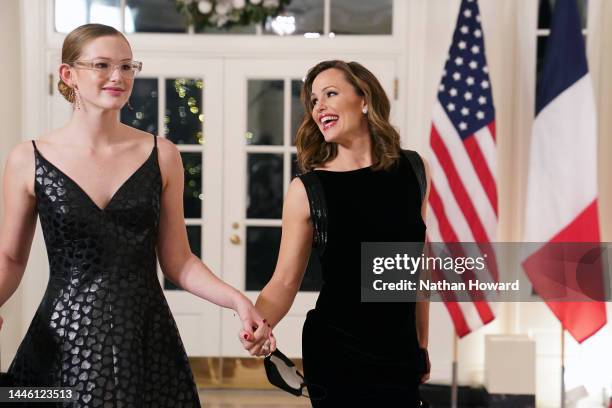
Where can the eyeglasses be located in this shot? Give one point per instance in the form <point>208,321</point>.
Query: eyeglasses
<point>105,67</point>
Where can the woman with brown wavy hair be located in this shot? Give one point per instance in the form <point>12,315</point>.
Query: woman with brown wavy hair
<point>358,186</point>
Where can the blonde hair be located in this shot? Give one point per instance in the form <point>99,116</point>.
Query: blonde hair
<point>312,149</point>
<point>73,46</point>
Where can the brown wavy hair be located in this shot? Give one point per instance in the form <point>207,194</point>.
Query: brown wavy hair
<point>73,46</point>
<point>312,149</point>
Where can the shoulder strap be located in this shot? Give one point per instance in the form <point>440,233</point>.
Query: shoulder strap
<point>34,144</point>
<point>318,209</point>
<point>155,140</point>
<point>419,169</point>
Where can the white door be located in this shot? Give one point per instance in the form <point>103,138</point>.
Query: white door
<point>262,113</point>
<point>181,101</point>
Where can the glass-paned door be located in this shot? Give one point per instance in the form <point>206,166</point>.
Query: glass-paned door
<point>262,113</point>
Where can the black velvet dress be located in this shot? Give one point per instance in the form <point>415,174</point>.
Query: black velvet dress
<point>104,326</point>
<point>361,354</point>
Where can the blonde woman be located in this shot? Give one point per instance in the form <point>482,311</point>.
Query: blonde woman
<point>109,198</point>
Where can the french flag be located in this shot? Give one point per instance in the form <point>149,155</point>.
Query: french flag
<point>562,183</point>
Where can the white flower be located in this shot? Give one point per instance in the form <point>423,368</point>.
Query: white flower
<point>239,4</point>
<point>270,3</point>
<point>221,21</point>
<point>204,6</point>
<point>223,7</point>
<point>255,1</point>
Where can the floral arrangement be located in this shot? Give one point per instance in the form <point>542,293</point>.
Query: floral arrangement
<point>224,14</point>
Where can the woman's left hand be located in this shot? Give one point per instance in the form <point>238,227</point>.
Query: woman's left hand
<point>256,335</point>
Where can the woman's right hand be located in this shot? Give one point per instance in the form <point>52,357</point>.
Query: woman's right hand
<point>256,335</point>
<point>258,346</point>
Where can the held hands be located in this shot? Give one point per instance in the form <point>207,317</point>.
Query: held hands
<point>256,334</point>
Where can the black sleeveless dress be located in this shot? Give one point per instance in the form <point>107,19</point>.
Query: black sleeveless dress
<point>104,326</point>
<point>361,354</point>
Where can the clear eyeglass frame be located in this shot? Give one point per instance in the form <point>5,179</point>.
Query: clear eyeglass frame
<point>127,68</point>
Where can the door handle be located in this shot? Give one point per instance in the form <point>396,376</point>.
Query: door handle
<point>235,239</point>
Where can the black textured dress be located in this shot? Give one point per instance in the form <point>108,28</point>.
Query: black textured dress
<point>361,354</point>
<point>104,326</point>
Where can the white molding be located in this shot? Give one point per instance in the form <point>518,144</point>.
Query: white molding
<point>412,77</point>
<point>595,23</point>
<point>33,58</point>
<point>326,17</point>
<point>526,19</point>
<point>247,46</point>
<point>34,120</point>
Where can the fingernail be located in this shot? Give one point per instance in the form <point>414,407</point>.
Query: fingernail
<point>246,336</point>
<point>265,321</point>
<point>269,325</point>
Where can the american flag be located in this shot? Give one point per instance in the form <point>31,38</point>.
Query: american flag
<point>462,156</point>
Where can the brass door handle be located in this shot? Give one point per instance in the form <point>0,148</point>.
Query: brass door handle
<point>235,239</point>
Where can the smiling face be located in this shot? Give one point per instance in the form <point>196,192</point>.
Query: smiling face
<point>336,107</point>
<point>107,91</point>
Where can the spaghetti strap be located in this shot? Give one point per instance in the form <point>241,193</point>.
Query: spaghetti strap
<point>155,140</point>
<point>34,144</point>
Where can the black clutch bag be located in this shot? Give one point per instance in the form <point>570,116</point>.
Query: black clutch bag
<point>281,372</point>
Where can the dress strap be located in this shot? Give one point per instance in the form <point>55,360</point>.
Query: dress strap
<point>418,167</point>
<point>318,209</point>
<point>155,140</point>
<point>34,144</point>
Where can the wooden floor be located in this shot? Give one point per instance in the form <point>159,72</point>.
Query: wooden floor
<point>228,398</point>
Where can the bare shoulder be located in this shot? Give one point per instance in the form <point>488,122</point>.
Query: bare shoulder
<point>22,151</point>
<point>170,162</point>
<point>168,152</point>
<point>296,202</point>
<point>19,165</point>
<point>425,162</point>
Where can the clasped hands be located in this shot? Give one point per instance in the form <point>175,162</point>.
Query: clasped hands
<point>259,341</point>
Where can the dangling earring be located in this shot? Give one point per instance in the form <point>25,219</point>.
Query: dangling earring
<point>130,105</point>
<point>365,110</point>
<point>75,92</point>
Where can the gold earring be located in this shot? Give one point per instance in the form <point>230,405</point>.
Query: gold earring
<point>75,92</point>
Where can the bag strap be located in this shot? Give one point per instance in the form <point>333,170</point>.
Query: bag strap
<point>416,162</point>
<point>318,209</point>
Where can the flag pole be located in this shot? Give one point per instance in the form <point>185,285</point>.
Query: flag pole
<point>454,387</point>
<point>562,366</point>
